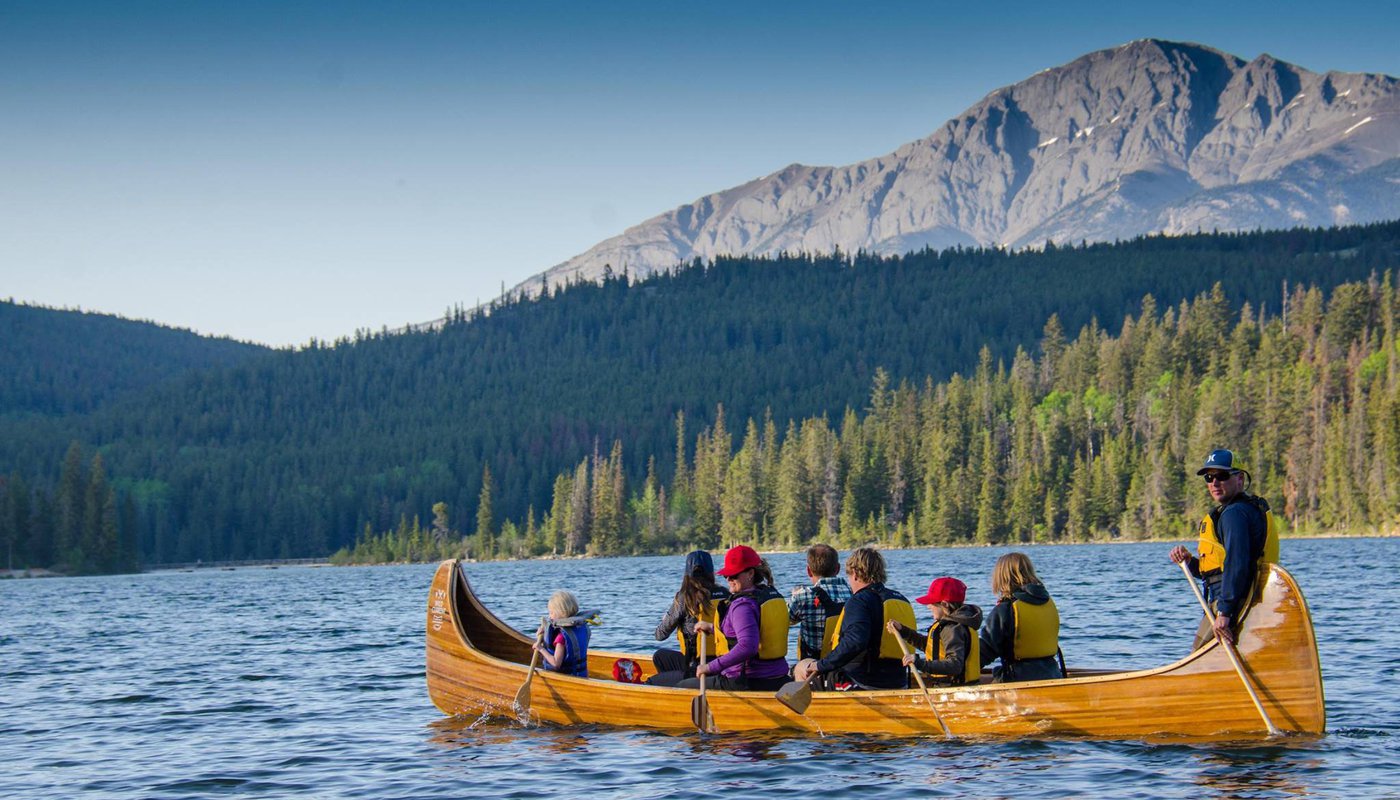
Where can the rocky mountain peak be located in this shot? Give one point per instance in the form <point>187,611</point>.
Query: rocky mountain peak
<point>1152,136</point>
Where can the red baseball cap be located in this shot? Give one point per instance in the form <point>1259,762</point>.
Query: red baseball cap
<point>945,589</point>
<point>739,558</point>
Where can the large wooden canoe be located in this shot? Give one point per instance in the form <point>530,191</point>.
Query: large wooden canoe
<point>476,663</point>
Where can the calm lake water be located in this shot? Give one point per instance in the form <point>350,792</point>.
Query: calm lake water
<point>309,682</point>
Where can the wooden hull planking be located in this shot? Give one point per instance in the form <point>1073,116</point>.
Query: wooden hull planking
<point>476,663</point>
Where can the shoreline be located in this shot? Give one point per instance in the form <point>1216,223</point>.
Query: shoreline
<point>1162,540</point>
<point>39,572</point>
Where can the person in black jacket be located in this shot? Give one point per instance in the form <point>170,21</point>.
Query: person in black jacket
<point>696,598</point>
<point>1023,629</point>
<point>949,651</point>
<point>856,662</point>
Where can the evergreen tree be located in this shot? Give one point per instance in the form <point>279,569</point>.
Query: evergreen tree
<point>485,517</point>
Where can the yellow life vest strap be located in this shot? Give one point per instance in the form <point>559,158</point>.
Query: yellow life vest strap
<point>836,629</point>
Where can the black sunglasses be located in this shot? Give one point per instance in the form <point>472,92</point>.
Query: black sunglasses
<point>1215,477</point>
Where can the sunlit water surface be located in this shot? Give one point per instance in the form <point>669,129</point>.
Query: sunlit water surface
<point>309,682</point>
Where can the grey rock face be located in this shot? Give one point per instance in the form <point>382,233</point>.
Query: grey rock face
<point>1148,137</point>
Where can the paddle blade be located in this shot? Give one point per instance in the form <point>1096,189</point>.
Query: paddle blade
<point>522,696</point>
<point>700,713</point>
<point>796,695</point>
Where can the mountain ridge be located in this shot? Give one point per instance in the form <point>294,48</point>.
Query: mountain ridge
<point>59,361</point>
<point>1148,137</point>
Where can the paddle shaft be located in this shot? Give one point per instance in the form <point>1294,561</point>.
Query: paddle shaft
<point>701,709</point>
<point>920,678</point>
<point>522,697</point>
<point>1230,651</point>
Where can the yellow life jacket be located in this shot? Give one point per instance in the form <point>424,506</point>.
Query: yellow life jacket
<point>829,625</point>
<point>1212,550</point>
<point>896,608</point>
<point>972,667</point>
<point>773,623</point>
<point>715,643</point>
<point>1037,630</point>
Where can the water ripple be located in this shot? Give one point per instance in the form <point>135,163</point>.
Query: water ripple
<point>310,681</point>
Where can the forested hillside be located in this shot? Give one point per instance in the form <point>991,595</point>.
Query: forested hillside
<point>297,453</point>
<point>56,361</point>
<point>1096,438</point>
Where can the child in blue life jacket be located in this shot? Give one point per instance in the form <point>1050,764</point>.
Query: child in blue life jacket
<point>950,648</point>
<point>565,644</point>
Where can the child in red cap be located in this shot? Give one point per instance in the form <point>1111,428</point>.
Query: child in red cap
<point>950,648</point>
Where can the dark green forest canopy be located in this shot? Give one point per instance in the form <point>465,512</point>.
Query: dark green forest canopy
<point>57,361</point>
<point>294,453</point>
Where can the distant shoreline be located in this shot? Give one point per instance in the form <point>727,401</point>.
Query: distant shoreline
<point>1164,540</point>
<point>22,574</point>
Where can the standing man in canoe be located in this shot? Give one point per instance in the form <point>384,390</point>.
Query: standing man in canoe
<point>1238,540</point>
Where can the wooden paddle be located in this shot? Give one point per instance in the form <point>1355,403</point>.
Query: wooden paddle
<point>796,695</point>
<point>1231,652</point>
<point>920,678</point>
<point>700,706</point>
<point>522,697</point>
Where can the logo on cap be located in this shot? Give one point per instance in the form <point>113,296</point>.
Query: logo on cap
<point>1218,459</point>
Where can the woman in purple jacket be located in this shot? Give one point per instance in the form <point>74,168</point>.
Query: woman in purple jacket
<point>755,622</point>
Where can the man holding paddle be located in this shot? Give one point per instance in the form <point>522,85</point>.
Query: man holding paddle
<point>1237,539</point>
<point>865,655</point>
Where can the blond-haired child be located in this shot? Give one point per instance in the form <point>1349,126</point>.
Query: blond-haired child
<point>565,644</point>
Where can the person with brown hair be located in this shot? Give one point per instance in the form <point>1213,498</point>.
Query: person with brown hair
<point>814,608</point>
<point>697,600</point>
<point>865,655</point>
<point>1023,629</point>
<point>754,623</point>
<point>950,649</point>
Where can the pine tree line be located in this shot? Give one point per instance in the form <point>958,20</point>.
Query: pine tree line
<point>294,453</point>
<point>1095,438</point>
<point>79,527</point>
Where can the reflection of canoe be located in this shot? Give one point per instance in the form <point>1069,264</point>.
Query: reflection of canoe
<point>476,663</point>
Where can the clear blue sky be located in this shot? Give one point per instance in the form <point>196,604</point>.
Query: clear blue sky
<point>276,171</point>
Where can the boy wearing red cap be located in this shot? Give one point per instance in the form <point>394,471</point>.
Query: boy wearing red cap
<point>950,646</point>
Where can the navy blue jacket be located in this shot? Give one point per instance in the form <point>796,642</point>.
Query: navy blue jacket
<point>1242,530</point>
<point>858,653</point>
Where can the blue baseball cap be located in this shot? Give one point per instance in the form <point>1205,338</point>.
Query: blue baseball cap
<point>1219,459</point>
<point>699,564</point>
